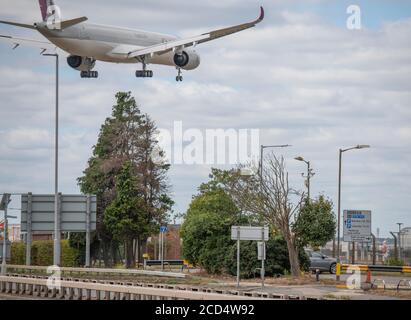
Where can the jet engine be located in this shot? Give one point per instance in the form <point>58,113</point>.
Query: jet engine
<point>81,63</point>
<point>187,60</point>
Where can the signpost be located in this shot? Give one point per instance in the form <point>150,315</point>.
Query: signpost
<point>163,230</point>
<point>77,214</point>
<point>357,228</point>
<point>250,234</point>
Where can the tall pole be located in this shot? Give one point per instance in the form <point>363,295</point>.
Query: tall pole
<point>57,226</point>
<point>88,229</point>
<point>238,257</point>
<point>57,229</point>
<point>6,199</point>
<point>339,199</point>
<point>339,211</point>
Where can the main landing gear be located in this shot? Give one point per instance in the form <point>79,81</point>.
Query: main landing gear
<point>144,73</point>
<point>179,77</point>
<point>89,74</point>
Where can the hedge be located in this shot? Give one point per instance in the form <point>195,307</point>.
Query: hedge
<point>42,254</point>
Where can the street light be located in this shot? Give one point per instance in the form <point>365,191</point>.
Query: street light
<point>309,173</point>
<point>262,155</point>
<point>341,151</point>
<point>57,229</point>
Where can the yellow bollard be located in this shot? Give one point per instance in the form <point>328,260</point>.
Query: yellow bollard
<point>338,271</point>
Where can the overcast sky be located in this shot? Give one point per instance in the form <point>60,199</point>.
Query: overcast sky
<point>301,77</point>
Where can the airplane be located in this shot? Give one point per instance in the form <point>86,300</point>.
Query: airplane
<point>87,43</point>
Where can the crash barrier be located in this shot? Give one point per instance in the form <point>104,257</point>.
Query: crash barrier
<point>378,268</point>
<point>84,289</point>
<point>98,271</point>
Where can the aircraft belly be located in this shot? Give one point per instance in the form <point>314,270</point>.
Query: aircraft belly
<point>101,51</point>
<point>89,48</point>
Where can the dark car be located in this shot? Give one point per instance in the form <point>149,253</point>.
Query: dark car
<point>321,262</point>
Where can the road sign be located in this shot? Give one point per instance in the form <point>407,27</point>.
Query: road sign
<point>261,251</point>
<point>357,226</point>
<point>73,213</point>
<point>163,229</point>
<point>250,233</point>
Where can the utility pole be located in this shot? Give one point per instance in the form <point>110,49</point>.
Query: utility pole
<point>310,174</point>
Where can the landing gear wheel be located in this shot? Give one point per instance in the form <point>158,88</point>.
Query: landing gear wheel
<point>89,74</point>
<point>179,77</point>
<point>144,74</point>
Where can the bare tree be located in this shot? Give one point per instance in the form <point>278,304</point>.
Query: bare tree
<point>269,195</point>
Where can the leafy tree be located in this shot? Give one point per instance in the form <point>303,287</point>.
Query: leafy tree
<point>127,215</point>
<point>127,136</point>
<point>315,224</point>
<point>206,233</point>
<point>206,229</point>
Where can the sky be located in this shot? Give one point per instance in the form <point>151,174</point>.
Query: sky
<point>301,77</point>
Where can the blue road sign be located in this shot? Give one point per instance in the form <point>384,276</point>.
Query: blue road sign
<point>163,229</point>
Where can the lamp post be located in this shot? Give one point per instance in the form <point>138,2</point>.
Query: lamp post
<point>309,173</point>
<point>341,151</point>
<point>262,155</point>
<point>57,227</point>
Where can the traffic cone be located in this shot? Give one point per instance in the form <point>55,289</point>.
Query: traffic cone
<point>368,277</point>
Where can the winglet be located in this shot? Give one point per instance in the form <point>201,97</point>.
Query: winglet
<point>262,15</point>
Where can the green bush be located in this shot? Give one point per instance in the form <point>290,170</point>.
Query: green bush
<point>277,262</point>
<point>394,262</point>
<point>18,253</point>
<point>42,254</point>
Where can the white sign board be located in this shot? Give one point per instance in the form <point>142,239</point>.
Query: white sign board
<point>250,233</point>
<point>357,226</point>
<point>261,251</point>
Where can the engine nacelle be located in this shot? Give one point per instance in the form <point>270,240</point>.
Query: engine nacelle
<point>187,60</point>
<point>81,63</point>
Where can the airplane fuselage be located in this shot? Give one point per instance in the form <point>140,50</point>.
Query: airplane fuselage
<point>106,43</point>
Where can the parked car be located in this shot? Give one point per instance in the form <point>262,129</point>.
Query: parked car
<point>321,262</point>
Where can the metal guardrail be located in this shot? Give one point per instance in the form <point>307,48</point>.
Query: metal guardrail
<point>102,271</point>
<point>378,268</point>
<point>86,289</point>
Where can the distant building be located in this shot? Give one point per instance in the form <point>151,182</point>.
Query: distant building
<point>14,232</point>
<point>172,244</point>
<point>406,239</point>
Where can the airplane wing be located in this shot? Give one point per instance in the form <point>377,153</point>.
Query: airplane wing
<point>17,42</point>
<point>183,43</point>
